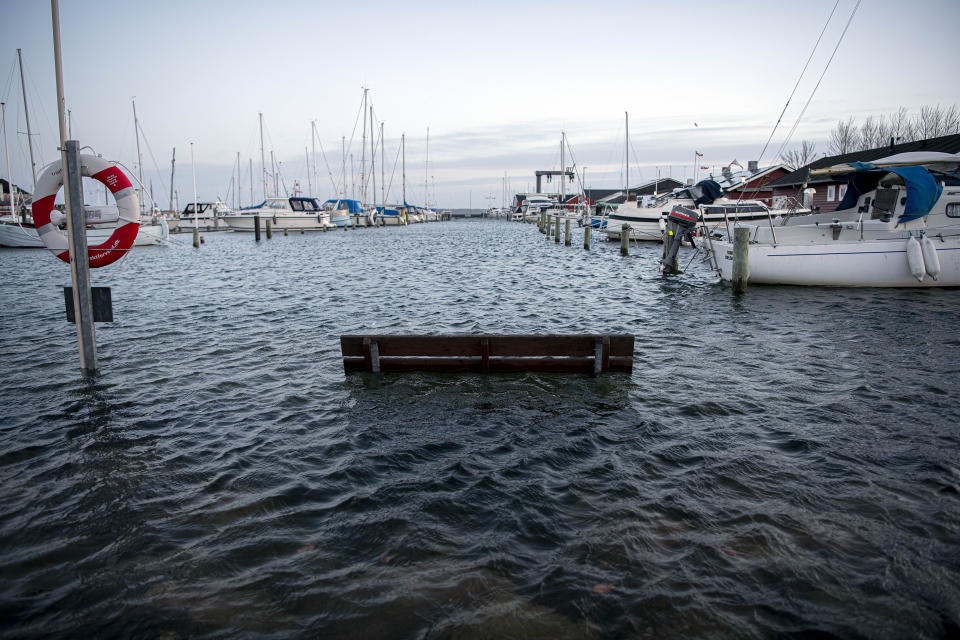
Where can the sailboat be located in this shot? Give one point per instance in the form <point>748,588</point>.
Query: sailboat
<point>898,225</point>
<point>17,230</point>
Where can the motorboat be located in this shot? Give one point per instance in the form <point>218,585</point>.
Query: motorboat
<point>898,225</point>
<point>344,213</point>
<point>646,216</point>
<point>297,213</point>
<point>208,217</point>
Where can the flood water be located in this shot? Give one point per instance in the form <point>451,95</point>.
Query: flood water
<point>783,463</point>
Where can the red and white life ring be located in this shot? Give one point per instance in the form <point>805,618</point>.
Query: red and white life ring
<point>128,223</point>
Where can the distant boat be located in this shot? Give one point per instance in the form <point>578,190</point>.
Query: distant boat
<point>344,212</point>
<point>209,216</point>
<point>296,214</point>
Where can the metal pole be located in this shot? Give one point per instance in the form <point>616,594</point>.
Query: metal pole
<point>73,191</point>
<point>239,167</point>
<point>26,111</point>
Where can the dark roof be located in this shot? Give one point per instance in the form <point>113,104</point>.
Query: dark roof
<point>945,144</point>
<point>5,188</point>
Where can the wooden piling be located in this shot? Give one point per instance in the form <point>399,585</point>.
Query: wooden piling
<point>196,236</point>
<point>741,253</point>
<point>256,227</point>
<point>286,232</point>
<point>566,234</point>
<point>548,222</point>
<point>586,237</point>
<point>556,229</point>
<point>269,230</point>
<point>624,239</point>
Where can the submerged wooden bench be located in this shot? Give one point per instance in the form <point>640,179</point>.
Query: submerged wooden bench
<point>587,353</point>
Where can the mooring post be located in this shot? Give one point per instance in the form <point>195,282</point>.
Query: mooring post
<point>256,227</point>
<point>566,233</point>
<point>196,236</point>
<point>586,237</point>
<point>269,230</point>
<point>549,221</point>
<point>556,229</point>
<point>624,239</point>
<point>286,232</point>
<point>741,253</point>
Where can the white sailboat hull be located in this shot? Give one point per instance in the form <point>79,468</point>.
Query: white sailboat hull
<point>878,263</point>
<point>15,236</point>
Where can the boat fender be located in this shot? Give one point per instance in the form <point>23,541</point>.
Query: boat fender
<point>930,259</point>
<point>128,208</point>
<point>915,259</point>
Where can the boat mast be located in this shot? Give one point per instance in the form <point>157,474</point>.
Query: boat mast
<point>426,174</point>
<point>193,172</point>
<point>6,151</point>
<point>363,154</point>
<point>306,152</point>
<point>626,155</point>
<point>383,179</point>
<point>251,181</point>
<point>313,142</point>
<point>263,160</point>
<point>273,169</point>
<point>373,161</point>
<point>563,175</point>
<point>26,114</point>
<point>403,146</point>
<point>136,132</point>
<point>239,169</point>
<point>173,162</point>
<point>343,174</point>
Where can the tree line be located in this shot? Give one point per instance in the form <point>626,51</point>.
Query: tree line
<point>931,121</point>
<point>848,136</point>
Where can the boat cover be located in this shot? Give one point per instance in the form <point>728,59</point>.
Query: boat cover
<point>353,206</point>
<point>923,190</point>
<point>710,190</point>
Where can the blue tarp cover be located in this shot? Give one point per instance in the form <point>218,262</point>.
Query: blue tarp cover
<point>923,190</point>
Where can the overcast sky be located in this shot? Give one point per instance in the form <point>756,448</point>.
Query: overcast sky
<point>496,83</point>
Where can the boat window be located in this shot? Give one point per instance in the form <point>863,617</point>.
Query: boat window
<point>884,203</point>
<point>309,205</point>
<point>297,205</point>
<point>953,209</point>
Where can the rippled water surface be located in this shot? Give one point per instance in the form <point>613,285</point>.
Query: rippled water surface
<point>783,463</point>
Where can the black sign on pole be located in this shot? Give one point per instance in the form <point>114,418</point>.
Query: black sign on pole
<point>102,304</point>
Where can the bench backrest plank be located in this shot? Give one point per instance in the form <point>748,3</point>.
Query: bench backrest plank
<point>488,352</point>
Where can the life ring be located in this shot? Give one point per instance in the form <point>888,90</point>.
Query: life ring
<point>128,223</point>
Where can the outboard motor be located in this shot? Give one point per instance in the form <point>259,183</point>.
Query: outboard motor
<point>680,222</point>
